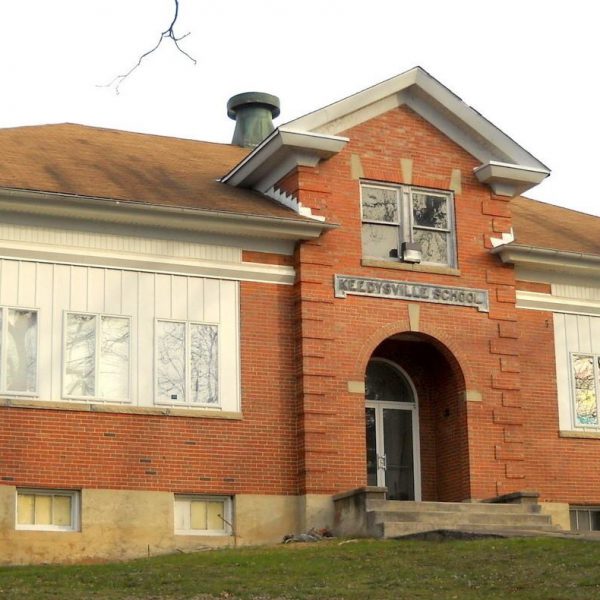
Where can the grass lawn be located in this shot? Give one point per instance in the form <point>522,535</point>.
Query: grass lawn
<point>365,569</point>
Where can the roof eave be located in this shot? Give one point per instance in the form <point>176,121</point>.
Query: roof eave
<point>549,259</point>
<point>278,154</point>
<point>507,179</point>
<point>67,206</point>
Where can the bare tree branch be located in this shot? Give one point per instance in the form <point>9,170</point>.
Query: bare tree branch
<point>166,34</point>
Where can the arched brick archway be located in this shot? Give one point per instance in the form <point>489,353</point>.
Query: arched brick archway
<point>439,381</point>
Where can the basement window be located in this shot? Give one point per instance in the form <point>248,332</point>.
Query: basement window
<point>47,510</point>
<point>203,515</point>
<point>396,214</point>
<point>585,518</point>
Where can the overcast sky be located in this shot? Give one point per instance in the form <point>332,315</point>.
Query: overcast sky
<point>531,67</point>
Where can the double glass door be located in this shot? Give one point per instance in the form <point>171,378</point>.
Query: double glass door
<point>392,432</point>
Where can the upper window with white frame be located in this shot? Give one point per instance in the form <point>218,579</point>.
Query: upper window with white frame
<point>96,357</point>
<point>585,373</point>
<point>18,351</point>
<point>393,214</point>
<point>187,361</point>
<point>47,510</point>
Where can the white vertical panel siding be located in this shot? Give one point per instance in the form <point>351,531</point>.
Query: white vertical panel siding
<point>61,300</point>
<point>79,289</point>
<point>143,297</point>
<point>145,338</point>
<point>572,333</point>
<point>162,297</point>
<point>26,291</point>
<point>195,299</point>
<point>179,298</point>
<point>228,329</point>
<point>212,300</point>
<point>44,286</point>
<point>95,283</point>
<point>10,282</point>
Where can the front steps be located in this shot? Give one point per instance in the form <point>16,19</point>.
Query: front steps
<point>366,512</point>
<point>387,518</point>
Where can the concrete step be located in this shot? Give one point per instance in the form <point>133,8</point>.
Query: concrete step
<point>399,529</point>
<point>430,507</point>
<point>441,519</point>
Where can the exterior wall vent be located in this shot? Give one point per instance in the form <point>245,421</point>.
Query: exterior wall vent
<point>253,113</point>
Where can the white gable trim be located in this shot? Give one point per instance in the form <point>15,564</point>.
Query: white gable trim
<point>506,166</point>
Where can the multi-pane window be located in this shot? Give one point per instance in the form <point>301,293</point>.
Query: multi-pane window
<point>49,510</point>
<point>585,518</point>
<point>395,214</point>
<point>187,363</point>
<point>203,515</point>
<point>96,357</point>
<point>18,350</point>
<point>585,372</point>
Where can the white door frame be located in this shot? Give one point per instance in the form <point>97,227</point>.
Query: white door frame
<point>413,407</point>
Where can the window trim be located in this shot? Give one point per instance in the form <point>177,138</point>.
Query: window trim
<point>573,392</point>
<point>3,339</point>
<point>95,398</point>
<point>75,496</point>
<point>187,403</point>
<point>227,518</point>
<point>405,225</point>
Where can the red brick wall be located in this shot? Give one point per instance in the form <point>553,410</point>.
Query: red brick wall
<point>54,448</point>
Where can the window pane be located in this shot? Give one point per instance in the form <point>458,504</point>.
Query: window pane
<point>182,511</point>
<point>80,355</point>
<point>25,509</point>
<point>21,351</point>
<point>204,364</point>
<point>43,510</point>
<point>113,379</point>
<point>379,204</point>
<point>197,514</point>
<point>213,520</point>
<point>61,511</point>
<point>434,245</point>
<point>171,361</point>
<point>430,211</point>
<point>586,408</point>
<point>380,241</point>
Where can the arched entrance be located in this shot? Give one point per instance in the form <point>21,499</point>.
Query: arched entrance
<point>416,420</point>
<point>392,431</point>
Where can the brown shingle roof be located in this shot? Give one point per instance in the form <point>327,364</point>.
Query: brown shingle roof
<point>106,163</point>
<point>547,226</point>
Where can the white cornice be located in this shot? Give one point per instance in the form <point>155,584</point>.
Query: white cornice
<point>506,166</point>
<point>547,259</point>
<point>159,216</point>
<point>278,154</point>
<point>508,179</point>
<point>548,302</point>
<point>129,261</point>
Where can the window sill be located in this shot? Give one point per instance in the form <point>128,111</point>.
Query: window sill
<point>116,408</point>
<point>591,435</point>
<point>203,534</point>
<point>417,268</point>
